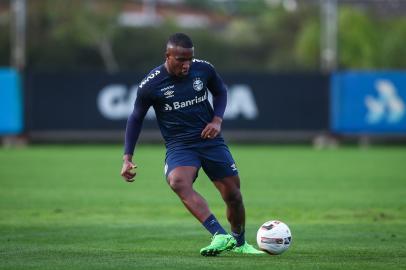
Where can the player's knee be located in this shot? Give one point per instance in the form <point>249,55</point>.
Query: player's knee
<point>178,184</point>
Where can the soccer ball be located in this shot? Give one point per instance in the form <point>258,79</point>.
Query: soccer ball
<point>274,237</point>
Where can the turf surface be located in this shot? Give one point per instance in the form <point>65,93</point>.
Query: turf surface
<point>67,208</point>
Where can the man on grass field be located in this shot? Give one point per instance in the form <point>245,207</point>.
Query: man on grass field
<point>178,91</point>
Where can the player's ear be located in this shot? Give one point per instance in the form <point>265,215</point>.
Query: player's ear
<point>167,51</point>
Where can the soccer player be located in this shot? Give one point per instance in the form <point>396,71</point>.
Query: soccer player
<point>178,92</point>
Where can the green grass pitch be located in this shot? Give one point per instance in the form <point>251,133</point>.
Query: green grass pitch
<point>65,207</point>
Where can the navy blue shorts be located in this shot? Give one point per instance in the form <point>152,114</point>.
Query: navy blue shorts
<point>216,160</point>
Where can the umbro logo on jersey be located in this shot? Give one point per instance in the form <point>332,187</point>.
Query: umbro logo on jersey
<point>169,94</point>
<point>197,84</point>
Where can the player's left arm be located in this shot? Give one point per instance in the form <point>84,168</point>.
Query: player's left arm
<point>219,91</point>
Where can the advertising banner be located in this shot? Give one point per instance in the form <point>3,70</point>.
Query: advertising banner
<point>368,102</point>
<point>11,115</point>
<point>98,101</point>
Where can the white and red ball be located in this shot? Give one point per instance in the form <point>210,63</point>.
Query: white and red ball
<point>274,237</point>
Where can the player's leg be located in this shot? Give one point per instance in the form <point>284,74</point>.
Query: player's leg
<point>219,165</point>
<point>229,188</point>
<point>181,179</point>
<point>181,170</point>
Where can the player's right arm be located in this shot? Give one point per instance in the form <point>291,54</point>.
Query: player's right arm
<point>219,91</point>
<point>132,132</point>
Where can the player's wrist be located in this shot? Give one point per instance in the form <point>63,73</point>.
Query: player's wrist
<point>128,158</point>
<point>217,119</point>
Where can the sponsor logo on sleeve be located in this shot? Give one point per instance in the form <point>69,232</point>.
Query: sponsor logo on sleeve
<point>195,60</point>
<point>150,77</point>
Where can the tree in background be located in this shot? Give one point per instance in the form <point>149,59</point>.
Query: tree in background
<point>358,39</point>
<point>392,45</point>
<point>4,35</point>
<point>85,35</point>
<point>73,33</point>
<point>365,41</point>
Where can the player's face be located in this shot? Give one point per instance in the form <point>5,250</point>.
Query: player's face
<point>178,60</point>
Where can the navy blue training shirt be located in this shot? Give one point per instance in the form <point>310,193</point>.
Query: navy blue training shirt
<point>181,104</point>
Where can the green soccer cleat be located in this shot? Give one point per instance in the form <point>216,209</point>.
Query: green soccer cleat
<point>219,243</point>
<point>247,249</point>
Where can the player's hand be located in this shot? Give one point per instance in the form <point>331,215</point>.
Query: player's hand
<point>212,129</point>
<point>128,171</point>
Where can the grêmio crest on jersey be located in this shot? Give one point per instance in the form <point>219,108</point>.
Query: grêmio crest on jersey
<point>197,84</point>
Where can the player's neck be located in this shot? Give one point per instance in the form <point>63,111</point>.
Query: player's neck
<point>167,69</point>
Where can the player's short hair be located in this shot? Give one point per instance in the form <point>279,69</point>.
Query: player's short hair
<point>181,40</point>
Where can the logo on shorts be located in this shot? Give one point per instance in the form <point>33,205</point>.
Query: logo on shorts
<point>166,168</point>
<point>233,167</point>
<point>197,84</point>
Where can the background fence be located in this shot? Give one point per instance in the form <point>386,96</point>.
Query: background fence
<point>97,103</point>
<point>95,106</point>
